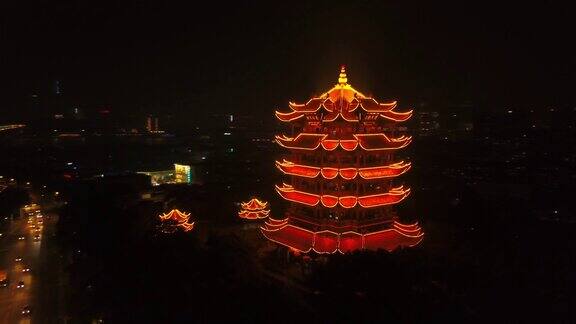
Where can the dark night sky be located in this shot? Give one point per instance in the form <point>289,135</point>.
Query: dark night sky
<point>254,56</point>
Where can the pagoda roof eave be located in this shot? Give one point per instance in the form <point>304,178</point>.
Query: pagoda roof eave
<point>367,173</point>
<point>393,196</point>
<point>176,215</point>
<point>254,204</point>
<point>397,116</point>
<point>260,214</point>
<point>368,142</point>
<point>329,242</point>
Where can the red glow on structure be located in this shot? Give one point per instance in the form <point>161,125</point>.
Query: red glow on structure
<point>341,175</point>
<point>394,196</point>
<point>368,142</point>
<point>326,241</point>
<point>386,171</point>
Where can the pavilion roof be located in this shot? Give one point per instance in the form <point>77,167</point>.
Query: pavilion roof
<point>254,204</point>
<point>343,100</point>
<point>176,215</point>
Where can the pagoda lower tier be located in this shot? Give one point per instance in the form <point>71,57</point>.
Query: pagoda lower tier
<point>368,142</point>
<point>247,214</point>
<point>367,173</point>
<point>345,115</point>
<point>394,196</point>
<point>327,241</point>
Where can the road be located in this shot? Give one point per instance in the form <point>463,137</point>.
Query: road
<point>8,127</point>
<point>42,285</point>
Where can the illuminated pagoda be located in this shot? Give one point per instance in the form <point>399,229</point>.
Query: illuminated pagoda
<point>342,174</point>
<point>174,220</point>
<point>254,209</point>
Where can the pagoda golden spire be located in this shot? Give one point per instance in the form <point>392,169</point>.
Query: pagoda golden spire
<point>342,79</point>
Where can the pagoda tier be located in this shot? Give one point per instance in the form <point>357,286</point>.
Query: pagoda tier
<point>368,142</point>
<point>246,214</point>
<point>175,215</point>
<point>345,115</point>
<point>325,241</point>
<point>177,219</point>
<point>254,204</point>
<point>254,209</point>
<point>346,103</point>
<point>186,227</point>
<point>342,174</point>
<point>393,196</point>
<point>379,172</point>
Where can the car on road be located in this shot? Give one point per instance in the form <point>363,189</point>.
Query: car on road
<point>26,269</point>
<point>18,259</point>
<point>20,284</point>
<point>26,310</point>
<point>3,278</point>
<point>21,238</point>
<point>36,237</point>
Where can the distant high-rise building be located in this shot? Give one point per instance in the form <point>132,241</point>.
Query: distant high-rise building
<point>152,124</point>
<point>182,173</point>
<point>58,88</point>
<point>427,122</point>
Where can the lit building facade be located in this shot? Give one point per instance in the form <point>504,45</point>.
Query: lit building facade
<point>180,174</point>
<point>152,124</point>
<point>342,175</point>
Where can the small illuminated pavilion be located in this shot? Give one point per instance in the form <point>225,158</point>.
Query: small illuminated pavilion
<point>342,174</point>
<point>177,219</point>
<point>254,209</point>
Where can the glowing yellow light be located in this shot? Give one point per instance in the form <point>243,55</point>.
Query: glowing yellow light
<point>342,79</point>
